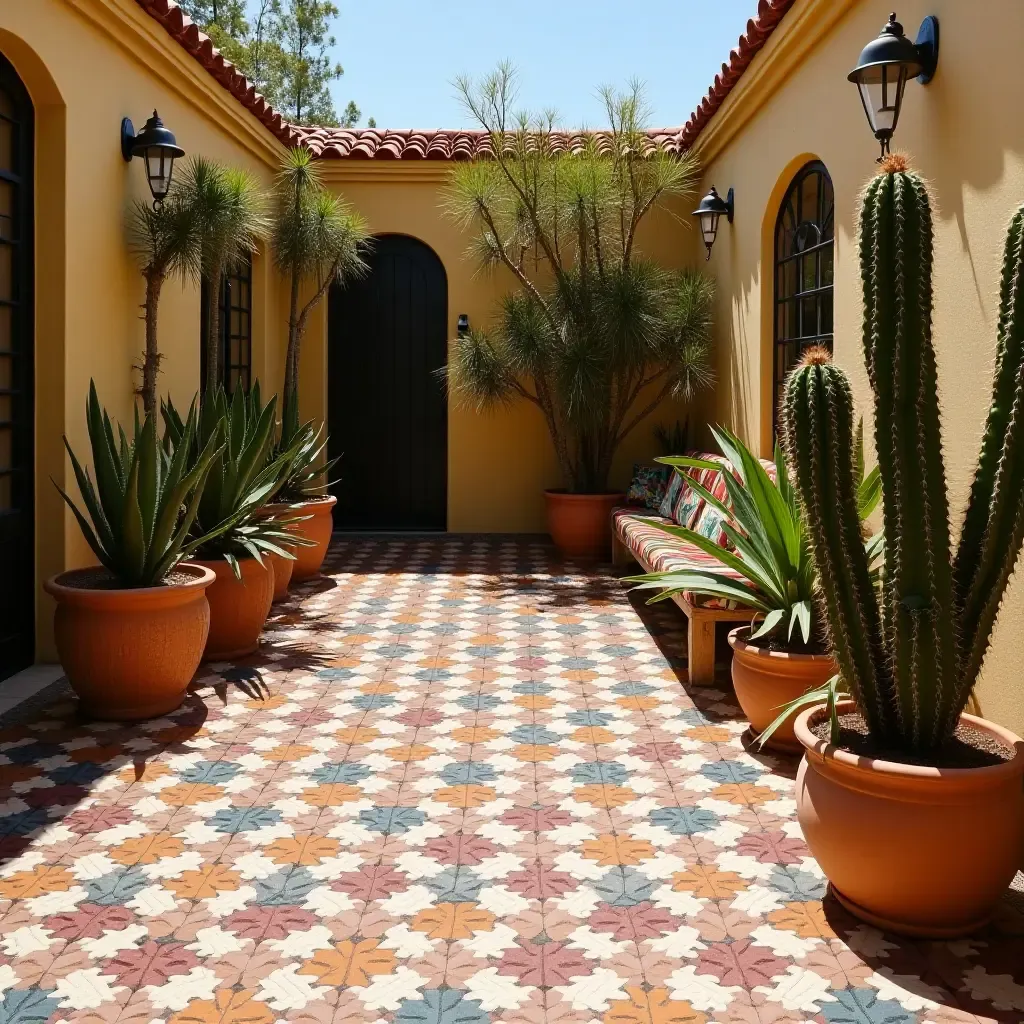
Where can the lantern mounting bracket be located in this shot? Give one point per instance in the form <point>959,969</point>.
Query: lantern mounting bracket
<point>127,139</point>
<point>927,44</point>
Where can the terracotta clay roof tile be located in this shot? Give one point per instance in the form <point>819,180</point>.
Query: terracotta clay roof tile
<point>441,144</point>
<point>759,29</point>
<point>413,144</point>
<point>181,28</point>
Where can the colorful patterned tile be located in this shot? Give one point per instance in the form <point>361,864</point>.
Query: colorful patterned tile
<point>461,783</point>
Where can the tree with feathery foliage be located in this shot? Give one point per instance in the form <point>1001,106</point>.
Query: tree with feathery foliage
<point>227,208</point>
<point>316,238</point>
<point>166,243</point>
<point>597,335</point>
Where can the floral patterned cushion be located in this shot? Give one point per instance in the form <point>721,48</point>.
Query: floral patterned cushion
<point>687,506</point>
<point>668,502</point>
<point>648,486</point>
<point>709,521</point>
<point>658,551</point>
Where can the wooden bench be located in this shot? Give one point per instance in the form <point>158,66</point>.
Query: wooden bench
<point>635,539</point>
<point>700,622</point>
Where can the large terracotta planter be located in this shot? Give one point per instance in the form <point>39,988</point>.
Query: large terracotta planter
<point>317,528</point>
<point>238,608</point>
<point>765,680</point>
<point>580,524</point>
<point>282,574</point>
<point>130,654</point>
<point>923,851</point>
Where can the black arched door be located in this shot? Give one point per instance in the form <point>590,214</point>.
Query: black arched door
<point>387,412</point>
<point>17,547</point>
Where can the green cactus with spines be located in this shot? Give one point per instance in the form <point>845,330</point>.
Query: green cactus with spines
<point>910,654</point>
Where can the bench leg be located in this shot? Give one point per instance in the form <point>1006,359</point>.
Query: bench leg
<point>700,642</point>
<point>621,555</point>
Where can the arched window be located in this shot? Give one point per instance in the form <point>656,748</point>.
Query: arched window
<point>804,265</point>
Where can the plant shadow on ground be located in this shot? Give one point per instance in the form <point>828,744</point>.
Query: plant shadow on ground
<point>46,780</point>
<point>934,969</point>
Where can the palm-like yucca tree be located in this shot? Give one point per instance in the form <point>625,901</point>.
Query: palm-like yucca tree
<point>316,237</point>
<point>166,244</point>
<point>596,335</point>
<point>228,211</point>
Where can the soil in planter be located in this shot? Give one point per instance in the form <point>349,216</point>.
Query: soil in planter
<point>103,579</point>
<point>780,645</point>
<point>969,747</point>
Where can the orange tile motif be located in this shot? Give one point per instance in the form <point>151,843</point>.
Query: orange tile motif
<point>474,789</point>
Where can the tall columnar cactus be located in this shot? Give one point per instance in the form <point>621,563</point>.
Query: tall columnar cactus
<point>912,654</point>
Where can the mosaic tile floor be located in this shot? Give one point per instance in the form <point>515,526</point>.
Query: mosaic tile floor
<point>460,785</point>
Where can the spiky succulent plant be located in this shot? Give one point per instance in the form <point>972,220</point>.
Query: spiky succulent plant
<point>912,655</point>
<point>242,479</point>
<point>141,507</point>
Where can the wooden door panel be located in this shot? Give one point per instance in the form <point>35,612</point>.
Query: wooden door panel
<point>387,409</point>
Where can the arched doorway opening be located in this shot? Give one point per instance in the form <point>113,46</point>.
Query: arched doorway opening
<point>387,409</point>
<point>17,331</point>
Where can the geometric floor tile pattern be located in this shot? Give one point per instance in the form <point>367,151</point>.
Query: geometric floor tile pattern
<point>461,783</point>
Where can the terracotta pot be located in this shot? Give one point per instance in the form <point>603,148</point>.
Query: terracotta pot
<point>317,528</point>
<point>130,654</point>
<point>766,680</point>
<point>581,524</point>
<point>238,608</point>
<point>282,574</point>
<point>918,850</point>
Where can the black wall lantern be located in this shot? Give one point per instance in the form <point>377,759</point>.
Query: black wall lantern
<point>462,325</point>
<point>886,65</point>
<point>710,211</point>
<point>158,147</point>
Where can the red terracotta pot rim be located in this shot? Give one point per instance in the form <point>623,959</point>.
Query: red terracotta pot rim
<point>822,752</point>
<point>563,495</point>
<point>740,643</point>
<point>172,593</point>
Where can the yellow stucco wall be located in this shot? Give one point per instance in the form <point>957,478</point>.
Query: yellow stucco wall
<point>965,134</point>
<point>498,462</point>
<point>87,64</point>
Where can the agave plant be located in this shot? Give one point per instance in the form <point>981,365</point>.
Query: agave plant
<point>242,479</point>
<point>769,546</point>
<point>140,511</point>
<point>306,475</point>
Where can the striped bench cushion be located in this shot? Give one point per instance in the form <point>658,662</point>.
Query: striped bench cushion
<point>658,551</point>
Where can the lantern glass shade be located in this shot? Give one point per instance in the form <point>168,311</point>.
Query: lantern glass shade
<point>881,91</point>
<point>159,168</point>
<point>709,228</point>
<point>158,149</point>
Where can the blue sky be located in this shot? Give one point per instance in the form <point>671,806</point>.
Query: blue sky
<point>400,56</point>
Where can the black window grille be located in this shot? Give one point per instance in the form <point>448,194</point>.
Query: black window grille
<point>804,267</point>
<point>17,518</point>
<point>235,369</point>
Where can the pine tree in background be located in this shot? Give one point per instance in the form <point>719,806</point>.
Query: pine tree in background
<point>226,15</point>
<point>283,48</point>
<point>309,70</point>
